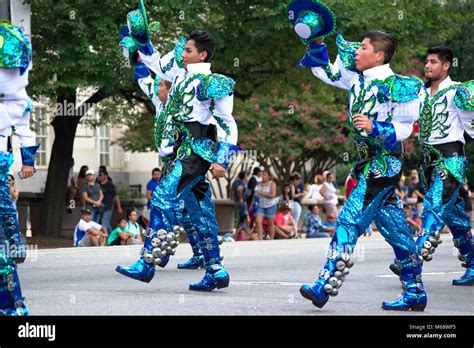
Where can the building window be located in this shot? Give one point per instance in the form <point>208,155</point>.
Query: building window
<point>5,9</point>
<point>40,127</point>
<point>104,145</point>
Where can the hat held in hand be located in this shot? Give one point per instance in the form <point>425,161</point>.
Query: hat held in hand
<point>311,19</point>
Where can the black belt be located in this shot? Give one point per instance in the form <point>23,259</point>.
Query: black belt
<point>199,130</point>
<point>453,149</point>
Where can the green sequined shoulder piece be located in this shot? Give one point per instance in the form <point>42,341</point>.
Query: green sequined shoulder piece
<point>215,86</point>
<point>464,97</point>
<point>399,88</point>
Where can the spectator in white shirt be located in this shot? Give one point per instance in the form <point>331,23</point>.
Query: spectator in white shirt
<point>89,233</point>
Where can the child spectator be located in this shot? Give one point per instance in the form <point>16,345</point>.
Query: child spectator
<point>285,226</point>
<point>120,235</point>
<point>133,226</point>
<point>314,225</point>
<point>330,224</point>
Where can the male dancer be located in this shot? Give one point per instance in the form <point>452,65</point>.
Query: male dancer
<point>200,108</point>
<point>157,90</point>
<point>382,107</point>
<point>15,108</point>
<point>447,112</point>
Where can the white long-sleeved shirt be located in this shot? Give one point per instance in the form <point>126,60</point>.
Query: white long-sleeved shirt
<point>363,92</point>
<point>186,81</point>
<point>442,121</point>
<point>14,108</point>
<point>148,86</point>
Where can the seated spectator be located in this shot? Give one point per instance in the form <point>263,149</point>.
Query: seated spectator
<point>285,227</point>
<point>412,218</point>
<point>287,196</point>
<point>330,223</point>
<point>120,235</point>
<point>241,234</point>
<point>133,226</point>
<point>314,225</point>
<point>89,233</point>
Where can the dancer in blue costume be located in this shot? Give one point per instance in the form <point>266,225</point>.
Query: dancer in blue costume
<point>197,122</point>
<point>383,107</point>
<point>15,109</point>
<point>447,112</point>
<point>157,90</point>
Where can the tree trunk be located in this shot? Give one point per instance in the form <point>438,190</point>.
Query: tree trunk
<point>56,183</point>
<point>65,125</point>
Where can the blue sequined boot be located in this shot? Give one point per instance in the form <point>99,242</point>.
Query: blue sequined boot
<point>331,277</point>
<point>197,260</point>
<point>193,263</point>
<point>466,255</point>
<point>11,299</point>
<point>414,295</point>
<point>140,270</point>
<point>156,251</point>
<point>216,277</point>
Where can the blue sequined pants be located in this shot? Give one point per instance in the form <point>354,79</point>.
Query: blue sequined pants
<point>373,199</point>
<point>443,206</point>
<point>186,190</point>
<point>11,299</point>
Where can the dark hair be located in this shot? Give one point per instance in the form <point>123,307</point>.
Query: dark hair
<point>256,170</point>
<point>382,42</point>
<point>82,171</point>
<point>311,207</point>
<point>12,177</point>
<point>295,176</point>
<point>102,168</point>
<point>204,42</point>
<point>130,211</point>
<point>122,218</point>
<point>155,170</point>
<point>444,54</point>
<point>284,206</point>
<point>288,196</point>
<point>242,175</point>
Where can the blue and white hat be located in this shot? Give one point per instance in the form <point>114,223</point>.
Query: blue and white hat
<point>311,19</point>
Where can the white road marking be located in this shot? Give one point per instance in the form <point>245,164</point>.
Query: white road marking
<point>257,282</point>
<point>423,274</point>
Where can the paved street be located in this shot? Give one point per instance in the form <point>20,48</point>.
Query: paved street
<point>265,278</point>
